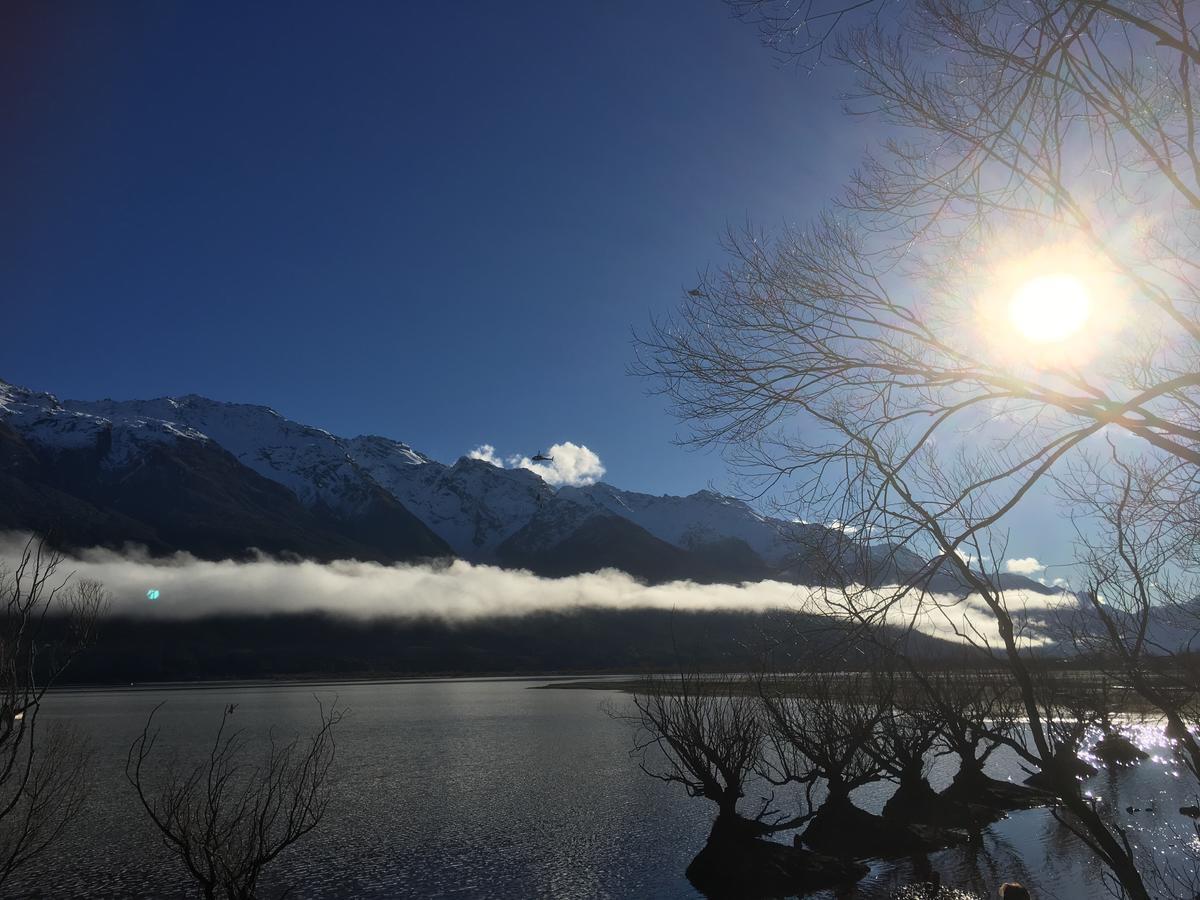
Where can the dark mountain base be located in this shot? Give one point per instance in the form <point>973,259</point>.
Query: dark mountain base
<point>190,496</point>
<point>590,640</point>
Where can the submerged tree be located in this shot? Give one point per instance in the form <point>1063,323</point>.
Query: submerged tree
<point>908,736</point>
<point>706,735</point>
<point>826,729</point>
<point>46,619</point>
<point>227,818</point>
<point>836,730</point>
<point>977,713</point>
<point>1011,274</point>
<point>710,735</point>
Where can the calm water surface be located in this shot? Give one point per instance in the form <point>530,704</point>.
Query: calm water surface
<point>488,788</point>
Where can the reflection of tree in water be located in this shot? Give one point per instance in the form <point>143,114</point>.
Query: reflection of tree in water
<point>975,870</point>
<point>1058,841</point>
<point>985,864</point>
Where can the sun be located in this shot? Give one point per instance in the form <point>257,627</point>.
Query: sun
<point>1050,308</point>
<point>1056,305</point>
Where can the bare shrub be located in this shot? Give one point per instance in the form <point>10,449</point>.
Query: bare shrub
<point>225,818</point>
<point>46,619</point>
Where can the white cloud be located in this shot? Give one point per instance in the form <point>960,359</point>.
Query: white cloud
<point>487,453</point>
<point>1026,566</point>
<point>571,464</point>
<point>461,591</point>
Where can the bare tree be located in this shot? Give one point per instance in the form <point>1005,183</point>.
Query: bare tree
<point>706,733</point>
<point>976,715</point>
<point>46,619</point>
<point>869,362</point>
<point>824,730</point>
<point>1140,616</point>
<point>908,736</point>
<point>227,819</point>
<point>1071,708</point>
<point>710,734</point>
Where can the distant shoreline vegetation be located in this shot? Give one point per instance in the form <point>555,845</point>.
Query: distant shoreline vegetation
<point>1086,681</point>
<point>586,642</point>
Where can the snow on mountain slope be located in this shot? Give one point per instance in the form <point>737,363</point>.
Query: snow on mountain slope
<point>42,420</point>
<point>701,518</point>
<point>373,453</point>
<point>472,505</point>
<point>314,464</point>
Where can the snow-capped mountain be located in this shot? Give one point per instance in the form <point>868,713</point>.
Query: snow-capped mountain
<point>313,464</point>
<point>221,479</point>
<point>472,505</point>
<point>42,420</point>
<point>216,479</point>
<point>699,519</point>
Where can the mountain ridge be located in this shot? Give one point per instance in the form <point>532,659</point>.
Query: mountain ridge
<point>225,479</point>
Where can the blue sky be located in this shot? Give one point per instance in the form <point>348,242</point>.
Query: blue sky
<point>436,222</point>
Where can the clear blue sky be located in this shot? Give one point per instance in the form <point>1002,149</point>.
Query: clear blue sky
<point>437,222</point>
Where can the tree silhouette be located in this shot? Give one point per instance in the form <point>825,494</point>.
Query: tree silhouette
<point>41,769</point>
<point>226,819</point>
<point>866,362</point>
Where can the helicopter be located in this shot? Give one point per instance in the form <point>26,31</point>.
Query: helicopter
<point>542,457</point>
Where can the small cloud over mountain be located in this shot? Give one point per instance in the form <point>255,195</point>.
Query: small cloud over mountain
<point>486,453</point>
<point>570,464</point>
<point>1025,566</point>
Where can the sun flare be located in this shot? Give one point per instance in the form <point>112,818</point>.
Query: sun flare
<point>1050,308</point>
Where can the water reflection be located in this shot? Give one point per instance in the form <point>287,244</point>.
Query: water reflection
<point>488,789</point>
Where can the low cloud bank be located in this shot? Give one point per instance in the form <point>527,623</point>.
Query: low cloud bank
<point>188,587</point>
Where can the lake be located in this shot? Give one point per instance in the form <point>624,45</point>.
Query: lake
<point>493,788</point>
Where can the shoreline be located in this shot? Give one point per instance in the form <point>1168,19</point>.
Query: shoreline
<point>592,680</point>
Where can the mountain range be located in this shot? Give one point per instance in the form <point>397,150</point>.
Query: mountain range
<point>224,480</point>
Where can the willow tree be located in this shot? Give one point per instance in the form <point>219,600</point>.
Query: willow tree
<point>1008,278</point>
